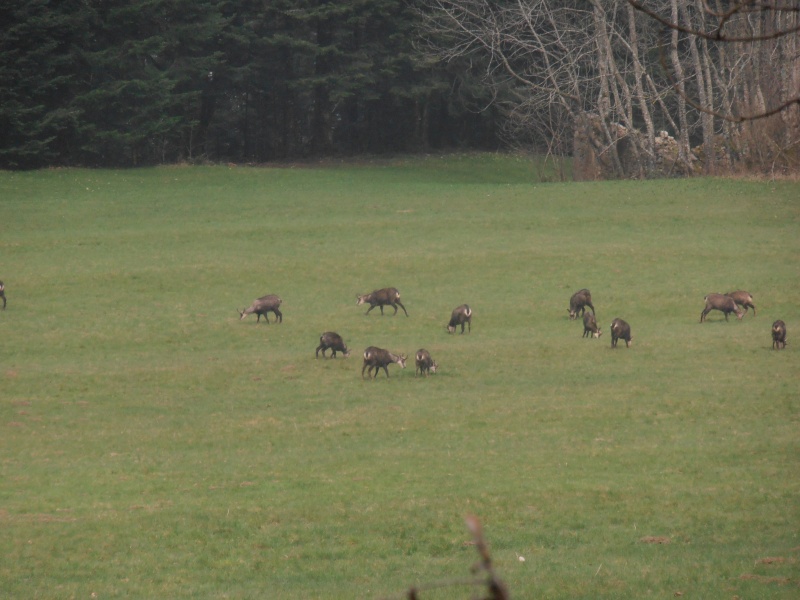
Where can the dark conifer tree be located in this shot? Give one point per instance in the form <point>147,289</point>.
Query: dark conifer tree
<point>150,63</point>
<point>125,83</point>
<point>39,73</point>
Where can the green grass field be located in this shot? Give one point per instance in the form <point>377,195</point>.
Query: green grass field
<point>152,445</point>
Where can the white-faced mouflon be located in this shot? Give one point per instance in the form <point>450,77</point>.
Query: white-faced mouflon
<point>377,358</point>
<point>262,306</point>
<point>578,303</point>
<point>461,315</point>
<point>778,335</point>
<point>590,328</point>
<point>620,330</point>
<point>424,363</point>
<point>723,303</point>
<point>743,299</point>
<point>331,340</point>
<point>383,297</point>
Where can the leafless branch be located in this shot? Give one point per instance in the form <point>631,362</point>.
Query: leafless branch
<point>675,83</point>
<point>497,589</point>
<point>579,78</point>
<point>717,34</point>
<point>494,586</point>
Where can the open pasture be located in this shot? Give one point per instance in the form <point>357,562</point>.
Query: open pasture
<point>152,444</point>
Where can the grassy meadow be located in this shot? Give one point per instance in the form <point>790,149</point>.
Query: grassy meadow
<point>152,445</point>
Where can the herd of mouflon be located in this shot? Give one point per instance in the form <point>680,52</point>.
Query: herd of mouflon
<point>375,358</point>
<point>732,302</point>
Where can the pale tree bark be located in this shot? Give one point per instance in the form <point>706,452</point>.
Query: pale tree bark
<point>618,89</point>
<point>605,103</point>
<point>677,67</point>
<point>750,59</point>
<point>572,71</point>
<point>702,84</point>
<point>535,51</point>
<point>790,51</point>
<point>642,99</point>
<point>582,57</point>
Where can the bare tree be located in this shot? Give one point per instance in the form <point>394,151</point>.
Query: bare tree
<point>576,75</point>
<point>580,77</point>
<point>747,64</point>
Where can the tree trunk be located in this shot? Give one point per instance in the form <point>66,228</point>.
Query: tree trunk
<point>643,106</point>
<point>677,72</point>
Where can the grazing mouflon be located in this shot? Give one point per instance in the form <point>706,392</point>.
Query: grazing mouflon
<point>743,299</point>
<point>462,315</point>
<point>620,330</point>
<point>383,297</point>
<point>723,303</point>
<point>377,358</point>
<point>578,302</point>
<point>424,363</point>
<point>778,335</point>
<point>590,328</point>
<point>3,294</point>
<point>331,340</point>
<point>262,306</point>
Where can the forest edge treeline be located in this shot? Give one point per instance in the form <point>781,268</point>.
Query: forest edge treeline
<point>135,83</point>
<point>118,84</point>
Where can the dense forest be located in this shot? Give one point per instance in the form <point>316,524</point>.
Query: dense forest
<point>118,83</point>
<point>139,82</point>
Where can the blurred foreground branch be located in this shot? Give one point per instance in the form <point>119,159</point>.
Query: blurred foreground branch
<point>495,589</point>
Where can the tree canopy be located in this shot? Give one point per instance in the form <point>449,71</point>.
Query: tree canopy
<point>121,83</point>
<point>622,87</point>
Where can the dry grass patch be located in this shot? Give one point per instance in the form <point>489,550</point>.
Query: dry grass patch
<point>650,539</point>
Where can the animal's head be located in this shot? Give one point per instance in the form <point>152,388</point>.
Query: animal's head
<point>451,328</point>
<point>361,299</point>
<point>401,360</point>
<point>242,314</point>
<point>434,366</point>
<point>598,333</point>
